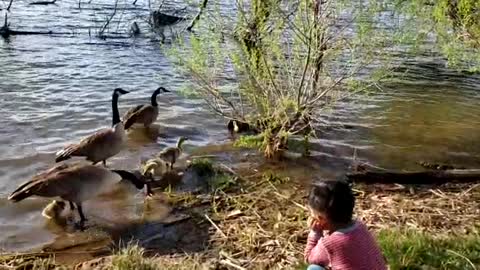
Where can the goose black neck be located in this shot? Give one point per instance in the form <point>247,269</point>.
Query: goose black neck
<point>139,184</point>
<point>115,114</point>
<point>154,99</point>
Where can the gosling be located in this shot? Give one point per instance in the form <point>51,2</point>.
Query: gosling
<point>171,154</point>
<point>154,167</point>
<point>54,210</point>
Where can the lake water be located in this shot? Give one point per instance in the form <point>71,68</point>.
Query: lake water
<point>57,89</point>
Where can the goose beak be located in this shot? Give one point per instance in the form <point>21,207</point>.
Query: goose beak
<point>120,91</point>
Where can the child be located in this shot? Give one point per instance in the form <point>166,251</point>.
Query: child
<point>335,240</point>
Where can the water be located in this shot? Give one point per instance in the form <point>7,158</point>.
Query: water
<point>57,89</point>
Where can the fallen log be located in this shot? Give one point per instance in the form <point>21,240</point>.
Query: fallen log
<point>43,3</point>
<point>370,174</point>
<point>5,31</point>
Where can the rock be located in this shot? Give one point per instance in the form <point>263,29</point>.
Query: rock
<point>161,19</point>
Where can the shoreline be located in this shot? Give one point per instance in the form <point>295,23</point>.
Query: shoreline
<point>257,220</point>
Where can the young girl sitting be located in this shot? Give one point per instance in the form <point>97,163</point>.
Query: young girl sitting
<point>335,240</point>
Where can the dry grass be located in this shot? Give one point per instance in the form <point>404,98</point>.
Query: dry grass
<point>449,208</point>
<point>262,225</point>
<point>28,261</point>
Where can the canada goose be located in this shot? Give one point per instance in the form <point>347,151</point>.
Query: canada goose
<point>74,183</point>
<point>144,114</point>
<point>104,143</point>
<point>171,154</point>
<point>235,126</point>
<point>54,209</point>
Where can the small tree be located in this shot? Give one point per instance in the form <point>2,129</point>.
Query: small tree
<point>277,62</point>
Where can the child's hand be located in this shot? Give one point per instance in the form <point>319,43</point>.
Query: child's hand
<point>314,225</point>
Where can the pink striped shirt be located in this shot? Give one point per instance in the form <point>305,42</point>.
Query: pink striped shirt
<point>353,248</point>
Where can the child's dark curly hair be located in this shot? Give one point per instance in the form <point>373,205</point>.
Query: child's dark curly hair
<point>334,198</point>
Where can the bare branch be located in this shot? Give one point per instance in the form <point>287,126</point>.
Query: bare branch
<point>203,6</point>
<point>9,5</point>
<point>107,22</point>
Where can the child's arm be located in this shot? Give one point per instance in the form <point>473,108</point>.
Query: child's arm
<point>312,241</point>
<point>315,252</point>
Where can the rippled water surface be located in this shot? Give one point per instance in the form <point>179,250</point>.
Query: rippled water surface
<point>57,89</point>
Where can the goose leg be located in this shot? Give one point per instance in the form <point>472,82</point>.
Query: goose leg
<point>148,190</point>
<point>80,212</point>
<point>72,206</point>
<point>81,224</point>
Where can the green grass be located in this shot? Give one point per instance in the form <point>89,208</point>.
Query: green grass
<point>416,250</point>
<point>132,258</point>
<point>203,166</point>
<point>249,141</point>
<point>217,179</point>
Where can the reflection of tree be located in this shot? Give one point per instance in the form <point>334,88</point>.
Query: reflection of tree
<point>456,24</point>
<point>464,16</point>
<point>434,127</point>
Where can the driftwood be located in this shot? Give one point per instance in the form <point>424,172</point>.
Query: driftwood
<point>5,31</point>
<point>43,2</point>
<point>370,174</point>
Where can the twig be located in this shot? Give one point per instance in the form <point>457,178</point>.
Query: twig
<point>294,202</point>
<point>463,257</point>
<point>102,30</point>
<point>9,5</point>
<point>468,190</point>
<point>228,169</point>
<point>229,263</point>
<point>197,17</point>
<point>204,156</point>
<point>215,225</point>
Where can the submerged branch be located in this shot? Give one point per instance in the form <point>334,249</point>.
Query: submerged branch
<point>109,19</point>
<point>203,6</point>
<point>9,6</point>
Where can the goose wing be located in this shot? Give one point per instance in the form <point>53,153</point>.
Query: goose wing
<point>129,117</point>
<point>100,139</point>
<point>50,183</point>
<point>168,153</point>
<point>147,114</point>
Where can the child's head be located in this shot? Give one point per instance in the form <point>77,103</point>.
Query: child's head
<point>332,202</point>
